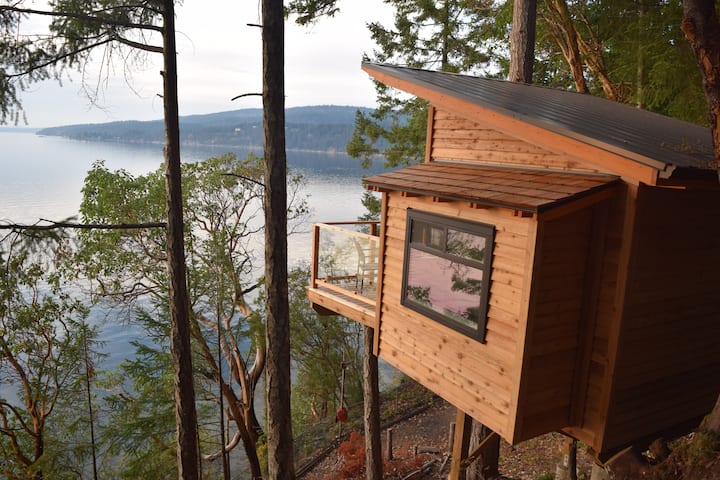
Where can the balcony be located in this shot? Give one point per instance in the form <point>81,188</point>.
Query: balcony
<point>344,276</point>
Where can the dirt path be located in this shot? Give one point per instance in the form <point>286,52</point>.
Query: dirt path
<point>430,430</point>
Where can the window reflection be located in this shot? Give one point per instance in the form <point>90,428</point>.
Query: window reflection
<point>449,288</point>
<point>447,269</point>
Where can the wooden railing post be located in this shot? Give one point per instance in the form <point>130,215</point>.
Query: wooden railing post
<point>315,256</point>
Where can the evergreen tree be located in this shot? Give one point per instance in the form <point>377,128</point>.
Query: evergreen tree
<point>321,345</point>
<point>631,52</point>
<point>449,36</point>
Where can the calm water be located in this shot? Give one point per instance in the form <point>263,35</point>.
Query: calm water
<point>42,177</point>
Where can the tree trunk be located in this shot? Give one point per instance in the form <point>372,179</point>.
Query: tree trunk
<point>702,29</point>
<point>593,56</point>
<point>371,394</point>
<point>185,414</point>
<point>522,41</point>
<point>486,466</point>
<point>712,422</point>
<point>641,73</point>
<point>564,32</point>
<point>279,432</point>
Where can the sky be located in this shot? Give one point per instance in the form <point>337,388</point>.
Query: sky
<point>220,57</point>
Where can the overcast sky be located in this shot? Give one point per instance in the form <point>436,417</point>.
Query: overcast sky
<point>220,57</point>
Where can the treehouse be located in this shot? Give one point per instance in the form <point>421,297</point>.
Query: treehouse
<point>553,265</point>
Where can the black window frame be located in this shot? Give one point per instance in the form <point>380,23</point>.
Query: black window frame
<point>484,230</point>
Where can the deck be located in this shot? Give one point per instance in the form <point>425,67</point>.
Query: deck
<point>345,270</point>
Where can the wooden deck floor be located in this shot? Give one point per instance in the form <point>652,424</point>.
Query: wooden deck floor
<point>334,300</point>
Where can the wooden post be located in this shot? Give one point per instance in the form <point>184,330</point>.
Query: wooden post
<point>461,445</point>
<point>451,437</point>
<point>389,443</point>
<point>314,269</point>
<point>567,469</point>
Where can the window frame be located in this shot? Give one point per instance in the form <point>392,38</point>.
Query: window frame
<point>484,230</point>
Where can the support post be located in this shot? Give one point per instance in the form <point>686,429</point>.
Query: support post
<point>389,444</point>
<point>461,445</point>
<point>567,469</point>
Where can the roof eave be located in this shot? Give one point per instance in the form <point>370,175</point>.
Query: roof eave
<point>386,74</point>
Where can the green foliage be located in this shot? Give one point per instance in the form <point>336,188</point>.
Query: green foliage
<point>645,54</point>
<point>43,335</point>
<point>120,27</point>
<point>450,36</point>
<point>69,444</point>
<point>308,11</point>
<point>314,128</point>
<point>372,204</point>
<point>139,433</point>
<point>320,345</point>
<point>223,202</point>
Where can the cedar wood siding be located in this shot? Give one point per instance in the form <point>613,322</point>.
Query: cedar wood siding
<point>672,308</point>
<point>594,376</point>
<point>456,138</point>
<point>480,379</point>
<point>555,324</point>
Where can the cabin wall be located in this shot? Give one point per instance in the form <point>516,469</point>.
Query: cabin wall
<point>452,137</point>
<point>557,319</point>
<point>481,379</point>
<point>593,388</point>
<point>666,369</point>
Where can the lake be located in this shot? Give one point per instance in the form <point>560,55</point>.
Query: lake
<point>42,178</point>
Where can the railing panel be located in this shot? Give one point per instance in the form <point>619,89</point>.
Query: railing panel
<point>346,258</point>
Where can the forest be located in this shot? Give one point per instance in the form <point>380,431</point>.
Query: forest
<point>177,251</point>
<point>315,128</point>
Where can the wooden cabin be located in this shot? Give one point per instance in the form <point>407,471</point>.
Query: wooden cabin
<point>553,265</point>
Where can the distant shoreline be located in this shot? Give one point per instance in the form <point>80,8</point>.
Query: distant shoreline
<point>20,129</point>
<point>251,148</point>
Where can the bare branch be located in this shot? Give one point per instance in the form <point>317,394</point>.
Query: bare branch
<point>81,226</point>
<point>228,448</point>
<point>244,178</point>
<point>138,45</point>
<point>246,95</point>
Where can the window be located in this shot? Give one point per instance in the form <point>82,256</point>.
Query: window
<point>446,274</point>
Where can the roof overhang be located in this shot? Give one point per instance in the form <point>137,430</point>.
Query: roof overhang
<point>532,191</point>
<point>558,134</point>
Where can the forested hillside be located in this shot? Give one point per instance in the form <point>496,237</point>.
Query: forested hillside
<point>317,128</point>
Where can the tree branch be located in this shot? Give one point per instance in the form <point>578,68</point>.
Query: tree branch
<point>227,449</point>
<point>81,16</point>
<point>58,59</point>
<point>138,45</point>
<point>246,95</point>
<point>81,226</point>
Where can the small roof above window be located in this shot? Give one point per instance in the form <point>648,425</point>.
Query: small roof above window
<point>527,190</point>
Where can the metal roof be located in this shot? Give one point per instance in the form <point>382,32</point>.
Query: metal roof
<point>527,190</point>
<point>640,135</point>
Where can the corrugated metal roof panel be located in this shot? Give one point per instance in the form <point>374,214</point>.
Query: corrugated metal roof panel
<point>640,135</point>
<point>516,188</point>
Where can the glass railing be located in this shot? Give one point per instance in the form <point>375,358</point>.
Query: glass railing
<point>346,258</point>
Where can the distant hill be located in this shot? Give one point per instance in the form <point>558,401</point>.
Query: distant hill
<point>317,128</point>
